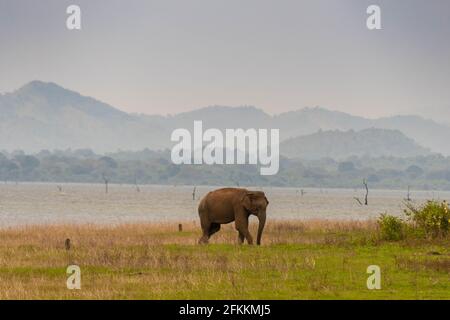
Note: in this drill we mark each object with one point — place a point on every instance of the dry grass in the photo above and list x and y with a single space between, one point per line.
276 232
298 259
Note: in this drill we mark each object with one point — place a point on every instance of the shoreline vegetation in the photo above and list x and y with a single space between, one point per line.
147 167
298 259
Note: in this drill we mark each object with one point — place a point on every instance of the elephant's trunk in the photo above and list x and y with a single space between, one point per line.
262 222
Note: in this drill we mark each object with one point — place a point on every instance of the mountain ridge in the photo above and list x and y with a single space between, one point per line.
44 115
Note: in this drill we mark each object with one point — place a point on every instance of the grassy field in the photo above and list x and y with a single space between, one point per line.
298 260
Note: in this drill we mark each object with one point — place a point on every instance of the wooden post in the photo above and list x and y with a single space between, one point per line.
180 227
67 245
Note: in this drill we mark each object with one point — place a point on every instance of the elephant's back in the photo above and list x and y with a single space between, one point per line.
220 199
224 192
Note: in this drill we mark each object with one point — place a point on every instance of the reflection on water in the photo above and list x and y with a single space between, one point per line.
38 203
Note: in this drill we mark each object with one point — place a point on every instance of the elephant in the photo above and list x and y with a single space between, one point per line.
226 205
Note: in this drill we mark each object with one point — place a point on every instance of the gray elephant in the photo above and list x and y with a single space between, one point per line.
226 205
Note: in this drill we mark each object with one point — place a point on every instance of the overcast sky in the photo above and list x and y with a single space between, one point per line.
169 56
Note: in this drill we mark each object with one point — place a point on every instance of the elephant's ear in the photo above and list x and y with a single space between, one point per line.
247 202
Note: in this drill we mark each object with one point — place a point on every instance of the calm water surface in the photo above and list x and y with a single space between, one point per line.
44 203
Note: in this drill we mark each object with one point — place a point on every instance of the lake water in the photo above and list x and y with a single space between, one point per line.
44 203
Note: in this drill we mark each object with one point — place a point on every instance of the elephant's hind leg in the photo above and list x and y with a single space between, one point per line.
205 237
208 231
214 228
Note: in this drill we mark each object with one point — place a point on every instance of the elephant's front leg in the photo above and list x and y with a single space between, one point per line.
241 238
242 227
249 237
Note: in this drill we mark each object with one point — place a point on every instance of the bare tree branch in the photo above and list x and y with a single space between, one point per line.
359 201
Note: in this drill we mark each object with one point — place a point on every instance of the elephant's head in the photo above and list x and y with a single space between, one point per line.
256 203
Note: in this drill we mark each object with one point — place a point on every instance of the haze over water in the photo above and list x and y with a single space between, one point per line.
43 203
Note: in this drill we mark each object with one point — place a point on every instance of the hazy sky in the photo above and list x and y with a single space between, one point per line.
169 56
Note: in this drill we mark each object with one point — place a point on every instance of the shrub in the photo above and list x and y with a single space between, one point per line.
433 218
391 228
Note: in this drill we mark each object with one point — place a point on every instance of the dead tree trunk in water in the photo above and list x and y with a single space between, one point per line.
105 179
367 192
136 185
408 195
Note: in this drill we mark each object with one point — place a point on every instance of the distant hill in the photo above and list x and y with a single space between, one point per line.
44 115
343 144
426 132
310 120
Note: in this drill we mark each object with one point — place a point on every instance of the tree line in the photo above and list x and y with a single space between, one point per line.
155 167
